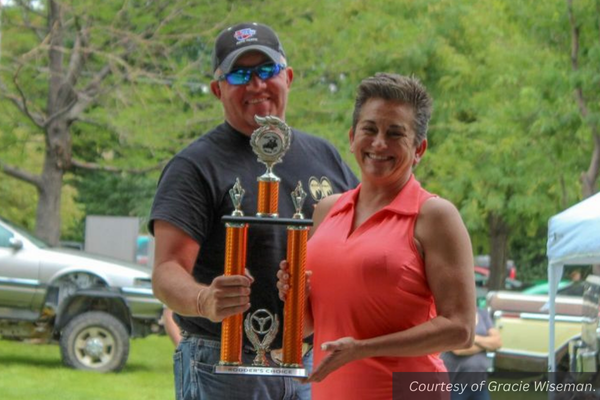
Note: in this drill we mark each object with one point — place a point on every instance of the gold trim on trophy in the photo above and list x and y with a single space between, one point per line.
269 142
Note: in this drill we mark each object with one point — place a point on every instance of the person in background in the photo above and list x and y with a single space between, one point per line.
251 77
171 328
470 365
392 281
575 275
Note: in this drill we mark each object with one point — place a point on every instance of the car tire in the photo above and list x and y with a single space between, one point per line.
95 341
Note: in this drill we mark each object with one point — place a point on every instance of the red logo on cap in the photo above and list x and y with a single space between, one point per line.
244 34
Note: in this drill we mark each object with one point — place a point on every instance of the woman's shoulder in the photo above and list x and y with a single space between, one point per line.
436 217
437 206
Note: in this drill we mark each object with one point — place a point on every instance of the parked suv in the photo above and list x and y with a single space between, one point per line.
88 304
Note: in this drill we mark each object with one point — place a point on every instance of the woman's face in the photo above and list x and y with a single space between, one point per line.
384 141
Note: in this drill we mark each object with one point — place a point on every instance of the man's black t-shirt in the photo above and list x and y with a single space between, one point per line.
193 195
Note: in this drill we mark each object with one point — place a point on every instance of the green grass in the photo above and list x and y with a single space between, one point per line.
33 371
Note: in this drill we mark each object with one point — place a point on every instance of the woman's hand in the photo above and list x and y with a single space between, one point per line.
341 352
283 280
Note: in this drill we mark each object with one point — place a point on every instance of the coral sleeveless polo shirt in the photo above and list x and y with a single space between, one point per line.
369 283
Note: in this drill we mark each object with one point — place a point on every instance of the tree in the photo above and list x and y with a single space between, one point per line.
88 54
496 129
498 71
585 52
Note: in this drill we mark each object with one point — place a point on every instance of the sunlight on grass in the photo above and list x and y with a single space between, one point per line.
33 371
30 371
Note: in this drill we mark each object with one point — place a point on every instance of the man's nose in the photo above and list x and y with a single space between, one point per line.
255 83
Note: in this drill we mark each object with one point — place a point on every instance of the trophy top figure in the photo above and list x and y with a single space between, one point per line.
237 195
270 142
298 197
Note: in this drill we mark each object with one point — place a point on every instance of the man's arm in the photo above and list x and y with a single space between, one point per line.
174 284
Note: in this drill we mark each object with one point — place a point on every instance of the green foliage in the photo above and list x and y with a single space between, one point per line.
104 193
506 135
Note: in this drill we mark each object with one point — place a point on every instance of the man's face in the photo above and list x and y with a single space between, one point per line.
242 102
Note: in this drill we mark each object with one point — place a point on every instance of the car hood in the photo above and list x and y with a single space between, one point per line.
93 262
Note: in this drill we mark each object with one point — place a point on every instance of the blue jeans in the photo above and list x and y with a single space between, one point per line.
194 360
471 395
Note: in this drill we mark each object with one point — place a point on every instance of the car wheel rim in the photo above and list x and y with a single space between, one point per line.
94 347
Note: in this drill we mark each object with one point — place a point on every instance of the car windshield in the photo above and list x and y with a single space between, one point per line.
21 231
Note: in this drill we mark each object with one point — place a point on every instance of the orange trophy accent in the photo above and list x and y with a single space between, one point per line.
268 196
261 327
293 325
235 264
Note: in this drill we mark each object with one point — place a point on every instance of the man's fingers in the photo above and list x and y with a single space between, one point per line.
233 291
236 302
232 280
229 311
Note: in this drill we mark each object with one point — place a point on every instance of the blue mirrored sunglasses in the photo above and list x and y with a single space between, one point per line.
242 75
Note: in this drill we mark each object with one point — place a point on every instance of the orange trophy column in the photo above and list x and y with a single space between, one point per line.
235 264
293 325
268 195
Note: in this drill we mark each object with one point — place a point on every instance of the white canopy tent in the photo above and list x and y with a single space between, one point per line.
573 239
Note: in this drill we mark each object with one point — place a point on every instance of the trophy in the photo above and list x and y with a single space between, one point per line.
269 142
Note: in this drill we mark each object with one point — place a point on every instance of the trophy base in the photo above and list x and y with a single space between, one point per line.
261 371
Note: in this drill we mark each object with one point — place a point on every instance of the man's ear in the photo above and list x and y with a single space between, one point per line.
215 89
351 139
290 75
420 151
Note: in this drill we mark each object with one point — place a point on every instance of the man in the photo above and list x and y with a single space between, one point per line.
251 77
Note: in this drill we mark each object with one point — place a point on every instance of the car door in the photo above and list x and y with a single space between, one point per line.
19 273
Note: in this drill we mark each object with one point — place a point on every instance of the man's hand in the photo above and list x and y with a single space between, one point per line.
226 296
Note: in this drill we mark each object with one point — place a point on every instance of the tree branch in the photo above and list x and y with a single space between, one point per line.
21 175
78 57
66 109
26 10
589 177
66 90
579 97
21 102
87 96
94 86
106 168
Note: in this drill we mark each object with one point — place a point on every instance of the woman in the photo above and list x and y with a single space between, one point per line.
392 271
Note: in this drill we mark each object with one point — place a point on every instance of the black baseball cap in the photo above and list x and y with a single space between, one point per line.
238 39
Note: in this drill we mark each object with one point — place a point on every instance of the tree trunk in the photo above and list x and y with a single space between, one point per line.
58 137
498 251
47 225
588 178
